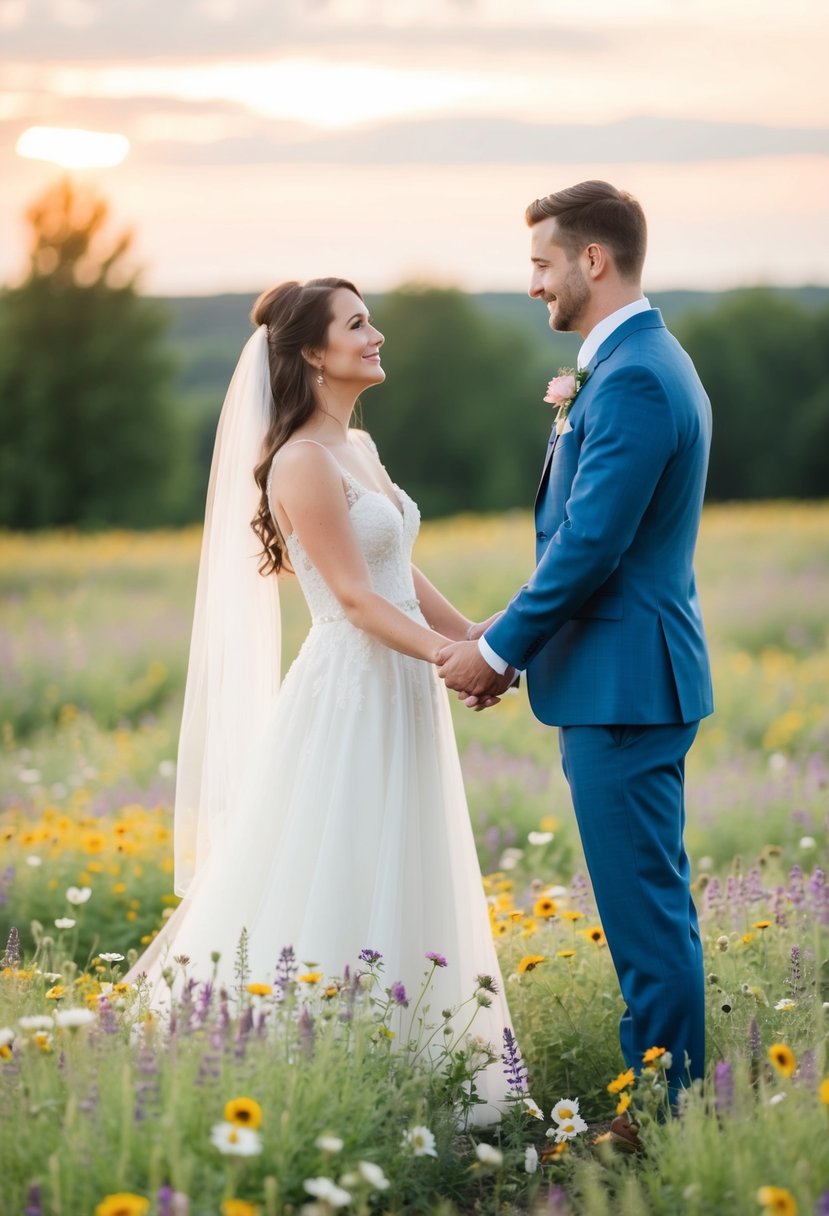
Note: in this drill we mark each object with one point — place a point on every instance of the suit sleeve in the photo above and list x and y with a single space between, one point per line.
629 437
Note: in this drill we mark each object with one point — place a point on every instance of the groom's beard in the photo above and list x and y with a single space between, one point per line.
570 303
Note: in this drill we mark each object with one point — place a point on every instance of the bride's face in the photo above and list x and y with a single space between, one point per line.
353 352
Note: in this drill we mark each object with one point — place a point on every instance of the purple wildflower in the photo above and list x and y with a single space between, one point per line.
514 1069
286 969
557 1201
580 893
753 887
778 907
712 897
305 1026
33 1207
398 994
795 976
369 956
723 1085
438 959
819 893
822 1208
754 1043
797 891
164 1200
11 958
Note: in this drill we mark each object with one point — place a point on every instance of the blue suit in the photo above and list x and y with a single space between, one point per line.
610 633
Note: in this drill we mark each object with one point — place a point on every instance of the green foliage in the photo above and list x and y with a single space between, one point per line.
460 421
87 432
765 363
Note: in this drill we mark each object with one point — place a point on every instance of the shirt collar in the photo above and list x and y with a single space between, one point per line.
606 326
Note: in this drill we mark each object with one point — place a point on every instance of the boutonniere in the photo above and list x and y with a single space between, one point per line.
562 392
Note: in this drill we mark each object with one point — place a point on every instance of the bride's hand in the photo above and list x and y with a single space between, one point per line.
478 629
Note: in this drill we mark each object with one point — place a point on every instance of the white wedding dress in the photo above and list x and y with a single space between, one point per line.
351 828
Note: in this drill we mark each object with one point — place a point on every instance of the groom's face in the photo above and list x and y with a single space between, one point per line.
557 279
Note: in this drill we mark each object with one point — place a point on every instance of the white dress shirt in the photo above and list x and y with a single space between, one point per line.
602 330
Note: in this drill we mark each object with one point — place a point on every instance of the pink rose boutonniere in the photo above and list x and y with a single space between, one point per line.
562 392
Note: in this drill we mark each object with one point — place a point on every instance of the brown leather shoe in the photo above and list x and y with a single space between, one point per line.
624 1135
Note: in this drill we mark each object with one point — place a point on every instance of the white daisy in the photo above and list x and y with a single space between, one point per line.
488 1155
328 1191
78 895
373 1175
329 1143
65 922
72 1019
421 1141
235 1141
565 1110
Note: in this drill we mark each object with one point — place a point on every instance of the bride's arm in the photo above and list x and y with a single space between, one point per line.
310 492
440 614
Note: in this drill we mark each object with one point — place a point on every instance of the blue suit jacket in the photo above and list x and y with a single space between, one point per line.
609 626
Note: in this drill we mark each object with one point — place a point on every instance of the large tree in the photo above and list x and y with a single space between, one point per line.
87 432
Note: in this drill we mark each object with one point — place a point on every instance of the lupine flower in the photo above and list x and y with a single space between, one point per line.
514 1069
754 1039
822 1208
33 1205
421 1141
438 959
724 1085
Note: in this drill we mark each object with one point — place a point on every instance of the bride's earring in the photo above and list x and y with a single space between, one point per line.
320 377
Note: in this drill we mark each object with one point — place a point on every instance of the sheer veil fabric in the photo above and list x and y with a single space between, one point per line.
234 666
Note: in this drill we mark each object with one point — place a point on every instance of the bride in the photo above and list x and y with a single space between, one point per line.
329 814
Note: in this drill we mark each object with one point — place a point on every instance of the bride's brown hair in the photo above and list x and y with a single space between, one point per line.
297 316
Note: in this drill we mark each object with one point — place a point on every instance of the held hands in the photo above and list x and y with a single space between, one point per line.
463 668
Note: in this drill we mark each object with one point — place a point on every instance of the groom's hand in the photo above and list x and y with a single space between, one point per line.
464 669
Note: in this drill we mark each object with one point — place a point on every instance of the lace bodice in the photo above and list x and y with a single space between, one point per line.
386 535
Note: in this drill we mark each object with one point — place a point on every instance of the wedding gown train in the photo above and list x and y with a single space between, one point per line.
351 827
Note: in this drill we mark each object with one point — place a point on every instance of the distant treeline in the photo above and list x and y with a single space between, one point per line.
460 419
109 400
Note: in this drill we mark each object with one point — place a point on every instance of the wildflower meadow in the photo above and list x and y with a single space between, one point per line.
300 1092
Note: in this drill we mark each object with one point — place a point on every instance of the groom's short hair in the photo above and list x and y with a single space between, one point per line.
596 211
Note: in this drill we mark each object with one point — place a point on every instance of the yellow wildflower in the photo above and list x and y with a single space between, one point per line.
621 1082
244 1112
529 963
761 924
544 907
596 935
238 1207
623 1103
529 927
653 1053
778 1200
55 993
122 1204
310 977
571 914
783 1058
259 989
823 1092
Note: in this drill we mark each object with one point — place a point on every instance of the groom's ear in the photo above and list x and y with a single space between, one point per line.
596 260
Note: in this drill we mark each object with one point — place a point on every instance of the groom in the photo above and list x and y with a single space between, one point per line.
608 627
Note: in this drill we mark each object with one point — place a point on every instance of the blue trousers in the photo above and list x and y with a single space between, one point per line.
627 785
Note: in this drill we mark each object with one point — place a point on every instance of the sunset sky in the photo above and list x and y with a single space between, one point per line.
388 140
